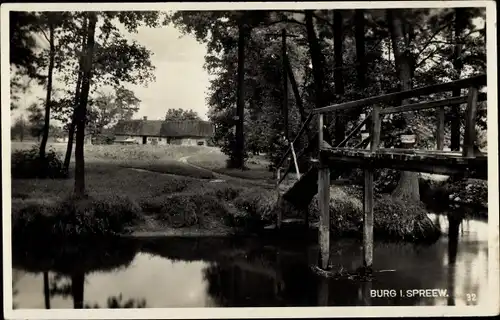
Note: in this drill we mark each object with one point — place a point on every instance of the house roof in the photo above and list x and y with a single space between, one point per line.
160 128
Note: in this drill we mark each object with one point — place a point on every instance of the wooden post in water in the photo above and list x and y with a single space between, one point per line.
368 193
470 124
323 202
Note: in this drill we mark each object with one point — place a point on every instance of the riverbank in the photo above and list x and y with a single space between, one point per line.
146 191
125 201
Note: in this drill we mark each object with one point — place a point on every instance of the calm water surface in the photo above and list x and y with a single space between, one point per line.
251 272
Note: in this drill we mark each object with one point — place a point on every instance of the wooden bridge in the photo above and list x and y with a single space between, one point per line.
316 178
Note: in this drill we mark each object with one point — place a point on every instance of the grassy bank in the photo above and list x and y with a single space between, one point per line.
122 200
256 166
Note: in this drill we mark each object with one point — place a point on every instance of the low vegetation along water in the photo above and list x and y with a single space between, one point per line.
248 272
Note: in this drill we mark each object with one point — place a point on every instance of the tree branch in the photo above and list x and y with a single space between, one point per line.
432 37
43 32
425 59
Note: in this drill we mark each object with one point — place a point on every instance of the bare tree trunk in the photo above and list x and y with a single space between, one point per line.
77 290
458 66
52 53
407 187
82 109
337 73
316 59
239 160
359 31
72 125
46 291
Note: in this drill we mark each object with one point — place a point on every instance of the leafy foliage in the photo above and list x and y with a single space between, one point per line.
181 115
36 120
27 164
428 45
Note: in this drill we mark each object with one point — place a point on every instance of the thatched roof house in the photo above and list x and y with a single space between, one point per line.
164 132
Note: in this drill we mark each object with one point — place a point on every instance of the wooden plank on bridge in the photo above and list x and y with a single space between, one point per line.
435 161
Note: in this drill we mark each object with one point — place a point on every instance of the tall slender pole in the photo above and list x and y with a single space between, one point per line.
323 203
285 83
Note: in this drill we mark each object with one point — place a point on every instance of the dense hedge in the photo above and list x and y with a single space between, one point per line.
27 164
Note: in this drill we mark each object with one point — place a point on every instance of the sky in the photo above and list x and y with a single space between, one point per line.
181 81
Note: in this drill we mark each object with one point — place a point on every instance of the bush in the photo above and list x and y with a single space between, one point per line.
104 214
393 219
100 214
384 180
182 210
27 164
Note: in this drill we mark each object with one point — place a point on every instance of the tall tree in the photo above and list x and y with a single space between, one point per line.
338 74
107 109
400 31
459 25
36 120
19 128
239 160
82 106
52 52
359 27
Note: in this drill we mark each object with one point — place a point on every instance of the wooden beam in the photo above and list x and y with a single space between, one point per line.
323 202
440 128
368 219
375 128
468 167
353 132
324 215
304 126
425 105
478 80
470 123
295 89
285 82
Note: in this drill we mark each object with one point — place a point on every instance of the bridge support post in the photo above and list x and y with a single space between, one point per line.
324 215
323 202
368 219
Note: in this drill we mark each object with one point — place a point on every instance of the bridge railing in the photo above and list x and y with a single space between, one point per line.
375 118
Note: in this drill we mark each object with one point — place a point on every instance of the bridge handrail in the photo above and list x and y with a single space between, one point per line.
472 82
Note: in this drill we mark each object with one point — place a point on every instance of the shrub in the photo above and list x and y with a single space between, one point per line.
260 206
103 214
27 164
384 180
183 210
393 219
99 214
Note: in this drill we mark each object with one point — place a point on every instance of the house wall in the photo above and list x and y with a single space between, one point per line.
187 141
162 141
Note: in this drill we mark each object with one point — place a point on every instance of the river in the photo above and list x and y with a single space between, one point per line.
249 272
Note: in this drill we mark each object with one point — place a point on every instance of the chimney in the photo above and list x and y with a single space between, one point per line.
145 118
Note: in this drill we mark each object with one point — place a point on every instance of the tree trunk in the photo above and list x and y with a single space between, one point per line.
458 66
77 289
337 74
46 291
239 160
72 125
82 109
52 53
407 187
359 26
316 59
285 83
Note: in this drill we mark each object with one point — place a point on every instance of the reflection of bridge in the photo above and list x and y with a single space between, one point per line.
316 178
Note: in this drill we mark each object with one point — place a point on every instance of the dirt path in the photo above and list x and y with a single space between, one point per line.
220 176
